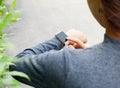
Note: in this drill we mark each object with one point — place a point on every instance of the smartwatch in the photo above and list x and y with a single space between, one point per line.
61 37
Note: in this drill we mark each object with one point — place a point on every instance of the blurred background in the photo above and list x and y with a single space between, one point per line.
40 20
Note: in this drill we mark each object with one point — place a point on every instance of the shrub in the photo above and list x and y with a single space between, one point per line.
7 15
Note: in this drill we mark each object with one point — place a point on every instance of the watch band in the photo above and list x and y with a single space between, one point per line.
61 37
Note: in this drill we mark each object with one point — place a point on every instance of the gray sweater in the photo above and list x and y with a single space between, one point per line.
49 66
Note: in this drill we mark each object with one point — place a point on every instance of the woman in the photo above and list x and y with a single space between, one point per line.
49 66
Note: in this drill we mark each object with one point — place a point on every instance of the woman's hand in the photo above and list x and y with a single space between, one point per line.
76 43
76 39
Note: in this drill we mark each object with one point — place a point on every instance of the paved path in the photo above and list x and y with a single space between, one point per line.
41 19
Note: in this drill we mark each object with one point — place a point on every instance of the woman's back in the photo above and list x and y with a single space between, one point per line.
97 67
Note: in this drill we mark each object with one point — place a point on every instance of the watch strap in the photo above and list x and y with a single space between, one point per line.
61 37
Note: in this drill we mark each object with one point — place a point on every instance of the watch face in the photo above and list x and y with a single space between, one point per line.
61 37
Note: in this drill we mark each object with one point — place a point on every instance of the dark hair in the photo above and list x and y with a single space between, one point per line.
112 12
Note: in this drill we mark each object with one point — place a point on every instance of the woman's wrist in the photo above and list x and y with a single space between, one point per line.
61 36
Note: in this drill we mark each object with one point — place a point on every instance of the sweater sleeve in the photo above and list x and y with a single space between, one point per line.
52 44
44 66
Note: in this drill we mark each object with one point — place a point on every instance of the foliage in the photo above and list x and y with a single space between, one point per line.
7 15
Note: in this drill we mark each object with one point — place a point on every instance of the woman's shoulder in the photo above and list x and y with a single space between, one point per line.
93 53
85 57
94 49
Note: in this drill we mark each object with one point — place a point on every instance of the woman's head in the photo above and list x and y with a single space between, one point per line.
112 12
107 12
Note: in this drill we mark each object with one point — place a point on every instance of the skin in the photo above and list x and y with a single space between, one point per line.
76 39
94 6
97 9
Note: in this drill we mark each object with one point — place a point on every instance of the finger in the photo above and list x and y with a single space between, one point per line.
85 40
70 42
70 46
87 45
75 45
80 43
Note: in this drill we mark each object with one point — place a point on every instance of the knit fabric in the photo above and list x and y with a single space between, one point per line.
50 66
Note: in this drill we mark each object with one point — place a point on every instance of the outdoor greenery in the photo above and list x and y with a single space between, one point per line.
8 14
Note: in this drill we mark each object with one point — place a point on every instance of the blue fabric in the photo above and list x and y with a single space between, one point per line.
51 66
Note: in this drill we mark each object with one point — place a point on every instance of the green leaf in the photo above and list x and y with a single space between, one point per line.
10 63
15 16
11 82
7 15
4 22
2 49
21 74
13 4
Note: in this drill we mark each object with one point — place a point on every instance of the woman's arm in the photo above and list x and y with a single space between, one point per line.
45 64
52 44
75 39
45 70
